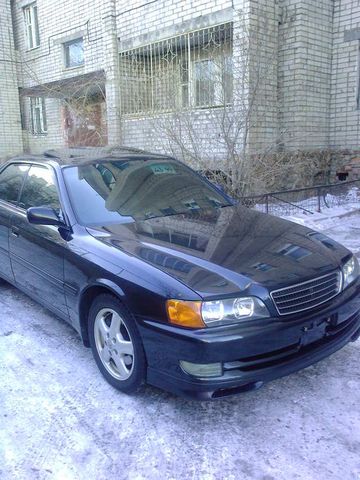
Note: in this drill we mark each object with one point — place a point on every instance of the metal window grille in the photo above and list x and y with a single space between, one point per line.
193 70
38 115
31 25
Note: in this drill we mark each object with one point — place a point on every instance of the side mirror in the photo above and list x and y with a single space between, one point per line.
43 216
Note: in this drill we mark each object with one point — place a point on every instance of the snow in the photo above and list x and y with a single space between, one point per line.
60 420
341 223
330 205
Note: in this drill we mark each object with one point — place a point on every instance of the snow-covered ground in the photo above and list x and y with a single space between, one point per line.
341 223
347 199
60 420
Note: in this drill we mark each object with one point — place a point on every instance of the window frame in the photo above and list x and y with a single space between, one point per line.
31 25
219 95
54 178
68 220
214 93
5 167
38 127
66 53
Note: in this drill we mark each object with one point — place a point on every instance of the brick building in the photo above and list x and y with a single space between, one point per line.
109 71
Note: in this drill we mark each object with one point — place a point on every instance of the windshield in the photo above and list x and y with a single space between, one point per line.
127 190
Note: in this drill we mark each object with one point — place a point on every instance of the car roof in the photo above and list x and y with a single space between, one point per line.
87 155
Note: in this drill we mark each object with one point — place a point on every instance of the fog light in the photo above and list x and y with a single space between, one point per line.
202 369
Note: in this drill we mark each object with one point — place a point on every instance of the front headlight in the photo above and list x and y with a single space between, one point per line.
350 271
217 312
232 310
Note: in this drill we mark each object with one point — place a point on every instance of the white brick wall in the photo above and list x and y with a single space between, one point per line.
10 123
305 53
150 133
309 100
61 21
164 13
164 19
264 35
54 136
159 21
345 117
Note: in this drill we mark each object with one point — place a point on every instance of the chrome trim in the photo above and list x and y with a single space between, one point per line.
303 289
283 290
304 296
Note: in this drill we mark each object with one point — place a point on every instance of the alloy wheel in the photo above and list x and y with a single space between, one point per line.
114 344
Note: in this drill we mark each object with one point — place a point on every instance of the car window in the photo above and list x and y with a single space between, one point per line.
11 180
39 189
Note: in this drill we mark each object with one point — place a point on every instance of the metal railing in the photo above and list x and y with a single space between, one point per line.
308 200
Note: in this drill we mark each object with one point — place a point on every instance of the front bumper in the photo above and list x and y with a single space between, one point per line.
252 354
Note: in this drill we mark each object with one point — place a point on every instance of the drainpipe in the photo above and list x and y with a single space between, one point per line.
111 58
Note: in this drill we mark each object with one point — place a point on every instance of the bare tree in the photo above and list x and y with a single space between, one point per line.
212 100
246 102
209 96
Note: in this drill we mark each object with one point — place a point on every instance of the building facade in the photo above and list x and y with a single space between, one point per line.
174 75
10 123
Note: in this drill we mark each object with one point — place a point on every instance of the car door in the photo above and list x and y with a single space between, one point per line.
11 181
37 251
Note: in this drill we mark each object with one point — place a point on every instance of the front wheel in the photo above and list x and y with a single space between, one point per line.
116 344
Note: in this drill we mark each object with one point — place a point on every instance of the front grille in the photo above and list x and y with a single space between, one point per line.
306 295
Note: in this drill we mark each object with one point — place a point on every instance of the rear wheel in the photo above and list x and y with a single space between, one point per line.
116 344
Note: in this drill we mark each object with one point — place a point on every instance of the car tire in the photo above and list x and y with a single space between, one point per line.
116 344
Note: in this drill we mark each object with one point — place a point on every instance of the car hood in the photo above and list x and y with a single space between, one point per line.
226 251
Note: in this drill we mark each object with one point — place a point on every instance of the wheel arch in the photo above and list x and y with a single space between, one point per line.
88 295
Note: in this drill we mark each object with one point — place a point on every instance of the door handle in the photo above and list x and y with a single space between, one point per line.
14 232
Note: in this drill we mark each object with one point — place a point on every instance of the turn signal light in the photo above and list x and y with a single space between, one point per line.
185 313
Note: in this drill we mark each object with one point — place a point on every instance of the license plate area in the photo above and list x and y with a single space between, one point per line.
317 330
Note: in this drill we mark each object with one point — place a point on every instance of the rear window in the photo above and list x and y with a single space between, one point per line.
11 180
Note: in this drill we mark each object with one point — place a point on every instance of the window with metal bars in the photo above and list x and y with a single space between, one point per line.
193 70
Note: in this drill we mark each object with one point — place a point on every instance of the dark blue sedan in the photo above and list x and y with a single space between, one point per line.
165 278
